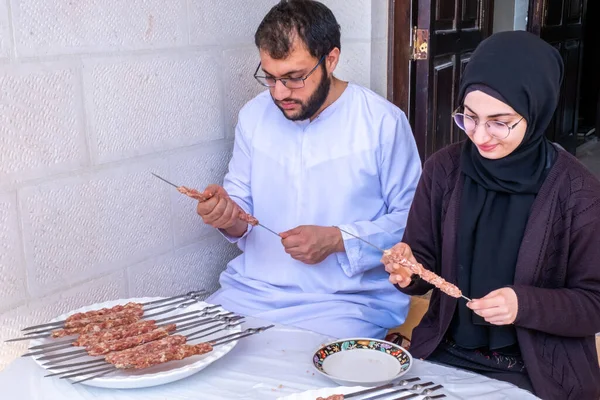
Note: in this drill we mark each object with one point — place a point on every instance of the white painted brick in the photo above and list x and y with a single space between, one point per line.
77 228
196 168
41 129
67 26
240 85
379 67
143 105
4 31
213 22
12 271
355 63
194 267
111 287
354 17
379 19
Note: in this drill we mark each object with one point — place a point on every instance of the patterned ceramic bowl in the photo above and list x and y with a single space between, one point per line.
362 362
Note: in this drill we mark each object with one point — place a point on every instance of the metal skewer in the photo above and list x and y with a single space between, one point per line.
382 250
164 180
59 323
361 239
426 392
105 368
177 187
400 383
71 365
417 386
269 229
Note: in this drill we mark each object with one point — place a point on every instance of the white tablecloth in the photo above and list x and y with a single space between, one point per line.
272 364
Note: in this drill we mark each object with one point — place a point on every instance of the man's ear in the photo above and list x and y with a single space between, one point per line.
331 60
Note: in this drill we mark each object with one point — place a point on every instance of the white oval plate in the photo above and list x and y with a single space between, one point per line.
158 374
362 361
314 394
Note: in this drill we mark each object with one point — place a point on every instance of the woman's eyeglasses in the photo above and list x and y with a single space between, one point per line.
498 129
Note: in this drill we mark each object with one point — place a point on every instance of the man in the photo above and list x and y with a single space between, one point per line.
312 153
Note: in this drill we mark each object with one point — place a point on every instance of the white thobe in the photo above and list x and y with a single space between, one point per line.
355 166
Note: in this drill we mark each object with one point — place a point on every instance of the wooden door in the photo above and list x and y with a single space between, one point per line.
560 23
424 82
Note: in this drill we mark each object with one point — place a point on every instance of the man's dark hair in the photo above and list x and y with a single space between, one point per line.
308 20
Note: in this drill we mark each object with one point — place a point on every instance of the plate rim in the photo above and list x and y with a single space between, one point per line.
128 381
333 377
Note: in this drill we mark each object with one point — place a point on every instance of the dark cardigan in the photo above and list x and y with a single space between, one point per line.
557 277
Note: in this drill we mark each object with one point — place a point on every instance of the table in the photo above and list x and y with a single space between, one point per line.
267 366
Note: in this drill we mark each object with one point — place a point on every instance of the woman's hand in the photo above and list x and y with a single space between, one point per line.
499 307
399 275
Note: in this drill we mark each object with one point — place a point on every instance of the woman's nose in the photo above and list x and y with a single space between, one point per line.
481 135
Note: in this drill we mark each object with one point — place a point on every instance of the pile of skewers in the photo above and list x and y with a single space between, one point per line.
401 387
169 348
124 336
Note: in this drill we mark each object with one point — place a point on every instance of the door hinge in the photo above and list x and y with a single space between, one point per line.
420 44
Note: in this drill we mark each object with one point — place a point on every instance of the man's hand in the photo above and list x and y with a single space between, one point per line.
311 244
399 274
499 307
220 212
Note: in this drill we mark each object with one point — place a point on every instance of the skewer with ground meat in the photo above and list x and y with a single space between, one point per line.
138 312
137 328
101 348
96 327
145 359
244 216
390 257
129 356
332 397
194 194
102 311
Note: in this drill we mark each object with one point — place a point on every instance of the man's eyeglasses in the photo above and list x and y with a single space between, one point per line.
498 129
290 83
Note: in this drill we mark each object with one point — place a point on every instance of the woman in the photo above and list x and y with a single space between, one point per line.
514 221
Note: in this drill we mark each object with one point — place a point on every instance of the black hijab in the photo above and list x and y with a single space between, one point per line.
524 72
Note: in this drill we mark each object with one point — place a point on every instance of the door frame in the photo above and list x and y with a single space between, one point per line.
399 53
535 21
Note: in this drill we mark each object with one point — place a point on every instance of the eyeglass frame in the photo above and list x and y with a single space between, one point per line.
284 80
510 127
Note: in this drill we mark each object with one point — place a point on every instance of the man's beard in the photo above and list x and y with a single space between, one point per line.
312 105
